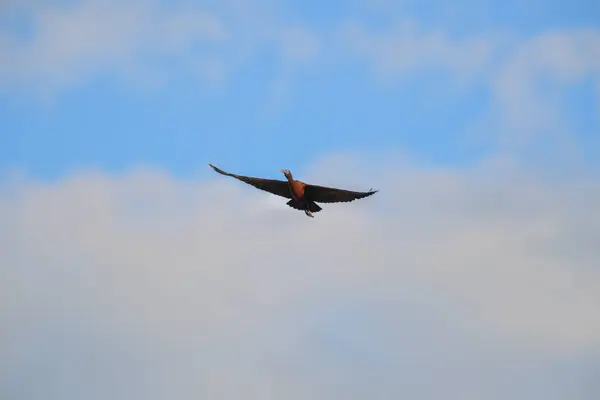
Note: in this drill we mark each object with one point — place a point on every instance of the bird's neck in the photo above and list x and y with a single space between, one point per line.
290 178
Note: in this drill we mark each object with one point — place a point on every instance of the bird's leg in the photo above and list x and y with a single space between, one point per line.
307 212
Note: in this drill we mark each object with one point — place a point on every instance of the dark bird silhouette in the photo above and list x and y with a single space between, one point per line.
302 196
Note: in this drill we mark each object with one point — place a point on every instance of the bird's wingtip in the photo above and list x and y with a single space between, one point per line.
219 170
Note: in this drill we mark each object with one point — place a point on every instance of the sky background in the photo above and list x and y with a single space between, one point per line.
129 269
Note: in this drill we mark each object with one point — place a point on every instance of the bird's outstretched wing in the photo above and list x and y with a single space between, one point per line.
323 194
279 188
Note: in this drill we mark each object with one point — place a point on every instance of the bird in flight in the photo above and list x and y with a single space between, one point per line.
302 196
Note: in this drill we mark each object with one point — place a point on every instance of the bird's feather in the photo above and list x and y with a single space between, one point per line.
298 205
276 187
323 194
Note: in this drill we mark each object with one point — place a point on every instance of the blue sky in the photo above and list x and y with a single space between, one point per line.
134 270
271 110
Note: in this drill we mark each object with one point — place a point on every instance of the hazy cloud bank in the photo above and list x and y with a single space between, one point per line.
472 283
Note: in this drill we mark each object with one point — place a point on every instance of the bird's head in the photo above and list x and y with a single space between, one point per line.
286 172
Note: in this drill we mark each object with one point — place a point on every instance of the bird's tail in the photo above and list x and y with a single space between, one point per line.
312 206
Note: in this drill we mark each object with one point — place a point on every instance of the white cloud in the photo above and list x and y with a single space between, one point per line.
405 49
205 289
299 44
527 76
529 85
75 42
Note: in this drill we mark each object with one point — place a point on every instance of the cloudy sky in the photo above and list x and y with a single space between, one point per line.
130 270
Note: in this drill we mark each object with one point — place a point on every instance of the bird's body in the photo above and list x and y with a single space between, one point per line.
297 189
302 196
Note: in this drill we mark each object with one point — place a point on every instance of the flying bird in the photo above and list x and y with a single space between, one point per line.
303 196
